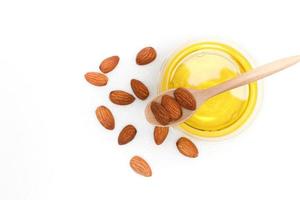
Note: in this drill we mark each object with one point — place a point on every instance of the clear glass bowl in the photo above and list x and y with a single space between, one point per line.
203 65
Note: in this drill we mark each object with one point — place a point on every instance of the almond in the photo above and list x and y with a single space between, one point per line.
109 64
127 134
105 117
187 147
185 98
172 106
96 78
139 89
160 134
140 166
160 113
145 56
121 97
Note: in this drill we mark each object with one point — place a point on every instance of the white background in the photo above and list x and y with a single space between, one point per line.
51 144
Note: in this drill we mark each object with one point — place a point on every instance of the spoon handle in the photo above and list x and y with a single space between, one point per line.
253 75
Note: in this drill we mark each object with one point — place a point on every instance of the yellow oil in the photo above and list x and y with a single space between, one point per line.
202 69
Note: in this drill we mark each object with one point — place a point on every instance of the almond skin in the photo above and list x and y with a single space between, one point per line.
160 134
172 106
120 97
96 78
105 117
139 89
146 56
160 113
127 134
108 64
185 98
140 166
187 147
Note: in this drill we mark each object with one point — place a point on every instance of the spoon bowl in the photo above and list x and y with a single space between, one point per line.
200 96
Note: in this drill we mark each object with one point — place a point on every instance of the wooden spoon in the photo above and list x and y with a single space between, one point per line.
203 95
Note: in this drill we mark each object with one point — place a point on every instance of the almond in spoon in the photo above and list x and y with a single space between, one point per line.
120 97
160 113
127 134
140 166
185 98
172 106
